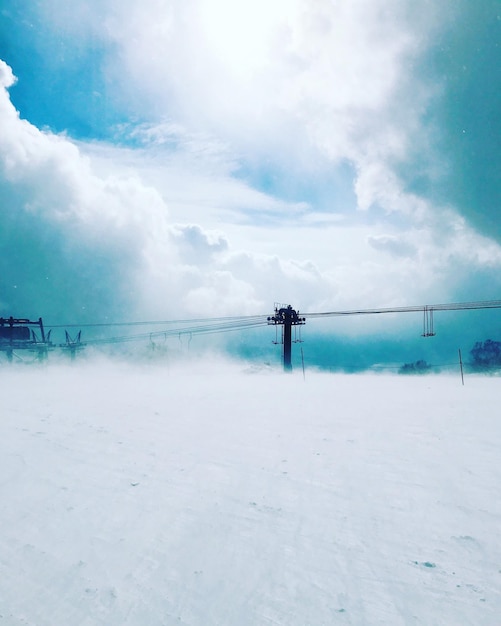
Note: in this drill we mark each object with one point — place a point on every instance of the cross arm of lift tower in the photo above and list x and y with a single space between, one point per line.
286 317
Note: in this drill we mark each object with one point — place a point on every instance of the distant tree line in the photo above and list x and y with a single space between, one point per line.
418 367
485 355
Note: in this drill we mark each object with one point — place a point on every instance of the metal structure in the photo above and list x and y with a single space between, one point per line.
19 334
286 317
428 329
72 345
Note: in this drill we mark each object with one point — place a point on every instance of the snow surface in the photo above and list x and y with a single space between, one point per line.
217 496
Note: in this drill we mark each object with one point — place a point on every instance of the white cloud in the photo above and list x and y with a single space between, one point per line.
268 76
111 227
396 246
7 78
331 78
317 82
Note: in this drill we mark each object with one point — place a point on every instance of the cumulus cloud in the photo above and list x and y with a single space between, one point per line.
324 80
82 244
73 242
395 246
298 82
7 78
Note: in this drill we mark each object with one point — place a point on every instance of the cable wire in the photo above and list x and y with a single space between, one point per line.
458 306
214 325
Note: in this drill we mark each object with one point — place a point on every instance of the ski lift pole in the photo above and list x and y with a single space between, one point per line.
287 317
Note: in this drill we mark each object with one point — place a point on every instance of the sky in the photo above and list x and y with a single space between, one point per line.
164 160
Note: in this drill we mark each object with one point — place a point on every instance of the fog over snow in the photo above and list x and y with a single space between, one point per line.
220 494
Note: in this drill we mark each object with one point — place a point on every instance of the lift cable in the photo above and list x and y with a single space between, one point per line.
162 322
458 306
232 323
484 304
190 330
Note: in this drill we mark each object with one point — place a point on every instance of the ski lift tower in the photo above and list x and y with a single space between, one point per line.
17 334
286 317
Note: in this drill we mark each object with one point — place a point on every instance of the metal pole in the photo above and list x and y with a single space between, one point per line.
288 343
40 323
287 317
461 367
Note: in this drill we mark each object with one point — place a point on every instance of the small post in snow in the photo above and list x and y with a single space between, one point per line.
461 367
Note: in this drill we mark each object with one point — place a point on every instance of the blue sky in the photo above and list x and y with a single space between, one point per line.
163 160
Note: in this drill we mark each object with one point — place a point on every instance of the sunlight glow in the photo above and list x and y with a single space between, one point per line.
241 34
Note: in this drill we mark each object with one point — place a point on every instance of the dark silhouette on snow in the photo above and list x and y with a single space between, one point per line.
486 355
419 367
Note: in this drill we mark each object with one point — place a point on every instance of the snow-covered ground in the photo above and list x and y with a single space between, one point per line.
215 496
